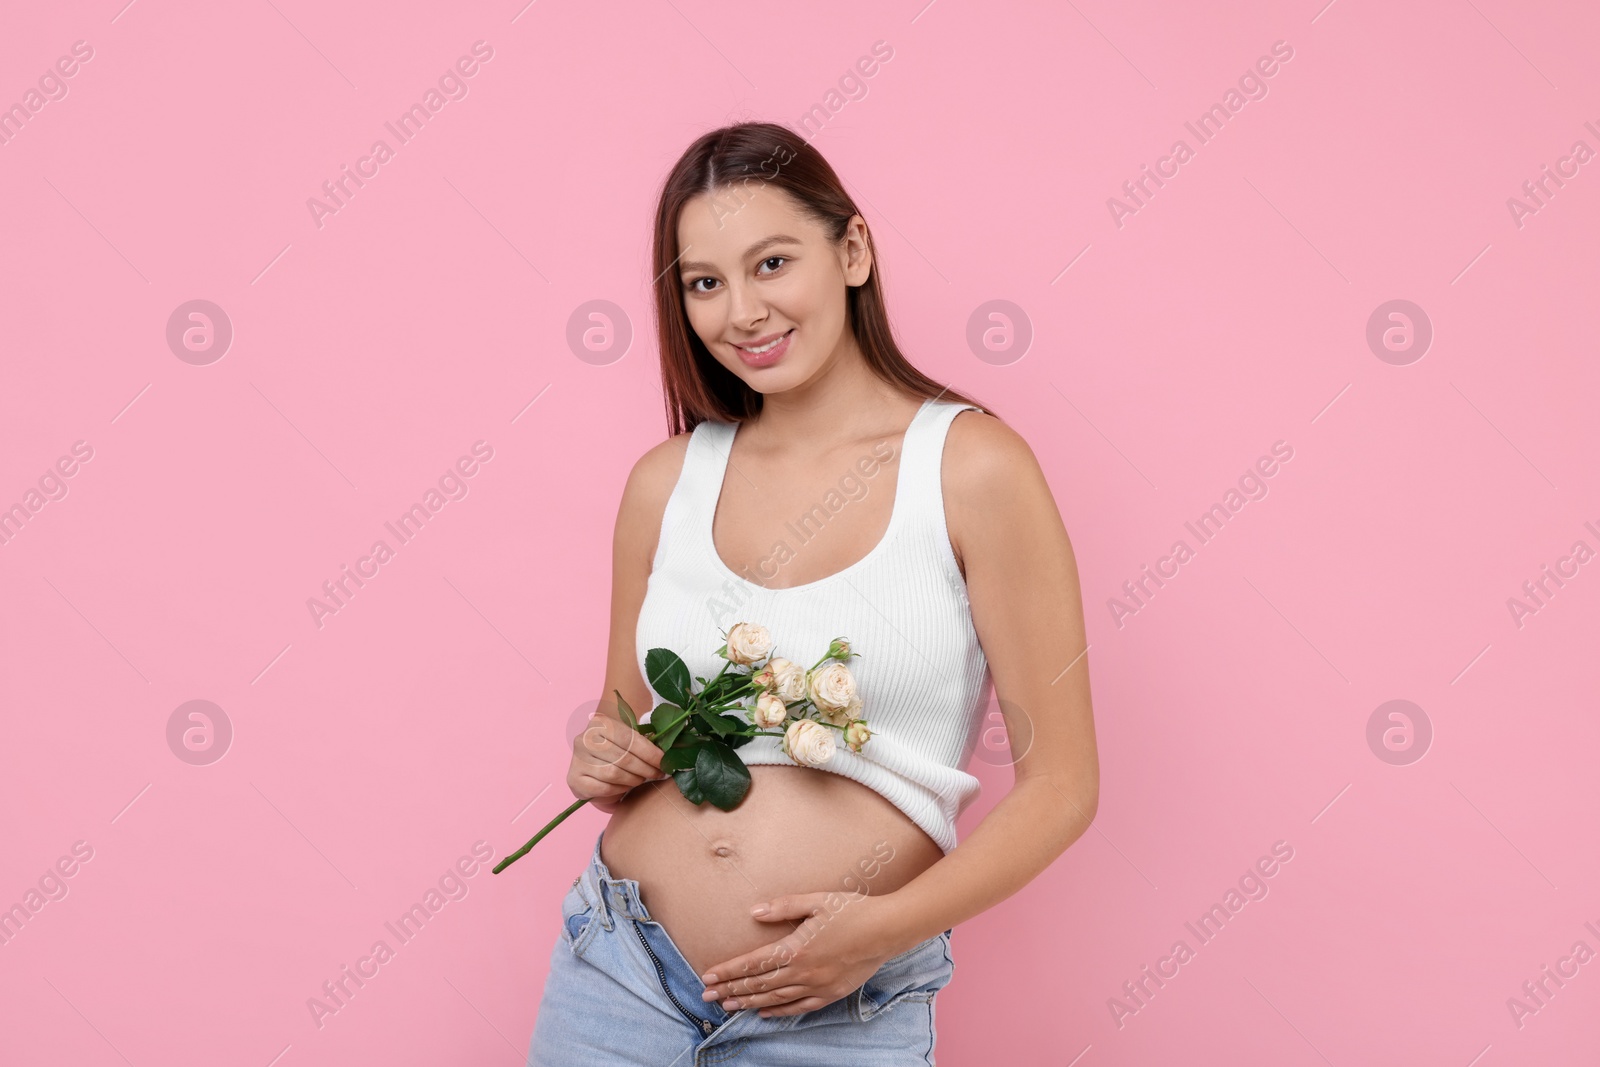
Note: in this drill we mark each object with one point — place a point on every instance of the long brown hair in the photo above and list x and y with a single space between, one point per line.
743 158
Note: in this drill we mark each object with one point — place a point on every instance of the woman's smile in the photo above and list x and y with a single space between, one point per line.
767 352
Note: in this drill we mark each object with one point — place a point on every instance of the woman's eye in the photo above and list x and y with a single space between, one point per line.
694 286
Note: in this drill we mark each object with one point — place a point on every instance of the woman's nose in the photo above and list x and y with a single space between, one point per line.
744 309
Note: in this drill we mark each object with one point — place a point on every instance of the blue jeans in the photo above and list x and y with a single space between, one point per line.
620 992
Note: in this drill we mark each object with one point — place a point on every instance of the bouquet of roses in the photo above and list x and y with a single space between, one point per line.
755 694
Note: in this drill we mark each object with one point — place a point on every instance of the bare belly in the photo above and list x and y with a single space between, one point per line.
798 830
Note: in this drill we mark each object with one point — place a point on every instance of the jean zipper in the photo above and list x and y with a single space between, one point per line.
705 1025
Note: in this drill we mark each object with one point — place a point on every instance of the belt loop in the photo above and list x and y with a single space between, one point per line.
601 906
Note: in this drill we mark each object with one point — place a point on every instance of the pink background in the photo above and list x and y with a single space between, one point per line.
368 354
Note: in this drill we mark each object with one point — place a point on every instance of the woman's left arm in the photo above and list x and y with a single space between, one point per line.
1022 582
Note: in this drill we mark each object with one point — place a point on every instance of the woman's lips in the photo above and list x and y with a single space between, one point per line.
769 357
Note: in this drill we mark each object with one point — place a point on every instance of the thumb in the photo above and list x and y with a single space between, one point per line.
788 906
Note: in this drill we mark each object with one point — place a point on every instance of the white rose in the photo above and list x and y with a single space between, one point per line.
856 735
809 743
748 643
832 687
842 716
769 711
788 679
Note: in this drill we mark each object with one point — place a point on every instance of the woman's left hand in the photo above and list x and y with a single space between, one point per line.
842 942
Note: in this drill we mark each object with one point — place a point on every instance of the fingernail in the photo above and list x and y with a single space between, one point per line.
759 909
709 977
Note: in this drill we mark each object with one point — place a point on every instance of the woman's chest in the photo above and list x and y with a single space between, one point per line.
782 536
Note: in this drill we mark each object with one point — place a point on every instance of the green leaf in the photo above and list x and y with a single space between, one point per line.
681 755
723 725
668 675
666 715
665 739
721 775
688 786
626 712
668 720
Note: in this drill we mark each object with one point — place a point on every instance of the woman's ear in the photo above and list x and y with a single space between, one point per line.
857 252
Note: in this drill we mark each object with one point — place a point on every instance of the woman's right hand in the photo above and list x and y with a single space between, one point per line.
609 758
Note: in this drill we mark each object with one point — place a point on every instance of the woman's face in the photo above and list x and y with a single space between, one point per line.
756 269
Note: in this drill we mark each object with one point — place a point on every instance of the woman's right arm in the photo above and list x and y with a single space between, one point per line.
610 758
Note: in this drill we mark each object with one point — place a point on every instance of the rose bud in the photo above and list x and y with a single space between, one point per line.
769 711
857 734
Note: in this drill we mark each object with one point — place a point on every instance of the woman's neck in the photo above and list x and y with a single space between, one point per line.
845 402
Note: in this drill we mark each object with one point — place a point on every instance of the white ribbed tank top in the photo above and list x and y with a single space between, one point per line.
922 676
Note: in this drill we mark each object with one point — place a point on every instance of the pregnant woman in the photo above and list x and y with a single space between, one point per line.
820 486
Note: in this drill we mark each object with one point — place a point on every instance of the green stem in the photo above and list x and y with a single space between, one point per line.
551 825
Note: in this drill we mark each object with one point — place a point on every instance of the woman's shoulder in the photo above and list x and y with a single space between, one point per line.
981 451
989 473
645 495
655 473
